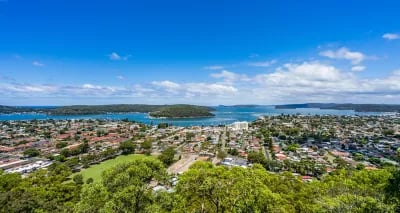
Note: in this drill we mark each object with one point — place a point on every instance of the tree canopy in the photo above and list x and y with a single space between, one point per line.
128 187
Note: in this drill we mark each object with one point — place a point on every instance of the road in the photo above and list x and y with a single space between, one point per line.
183 164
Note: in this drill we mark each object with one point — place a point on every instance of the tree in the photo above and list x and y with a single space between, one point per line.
233 152
40 191
147 145
61 144
78 179
392 190
127 147
124 188
221 154
167 156
293 147
162 125
31 152
84 147
93 198
89 181
358 157
189 136
206 188
256 157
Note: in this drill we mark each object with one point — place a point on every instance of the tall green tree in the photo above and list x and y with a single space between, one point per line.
127 147
167 156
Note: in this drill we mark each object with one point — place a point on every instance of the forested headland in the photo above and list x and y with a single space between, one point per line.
170 111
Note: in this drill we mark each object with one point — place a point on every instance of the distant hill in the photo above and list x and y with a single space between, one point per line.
22 109
101 109
179 110
355 107
183 111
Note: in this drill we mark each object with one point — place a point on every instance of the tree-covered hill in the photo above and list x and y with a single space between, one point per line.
183 111
355 107
179 110
128 187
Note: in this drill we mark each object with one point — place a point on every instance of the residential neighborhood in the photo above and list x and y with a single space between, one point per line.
306 145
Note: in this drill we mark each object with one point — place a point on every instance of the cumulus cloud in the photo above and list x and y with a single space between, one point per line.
263 63
344 53
195 89
168 86
314 81
37 64
310 81
358 68
391 36
210 89
229 77
114 56
214 67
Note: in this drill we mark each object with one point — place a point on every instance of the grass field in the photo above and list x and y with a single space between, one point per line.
95 171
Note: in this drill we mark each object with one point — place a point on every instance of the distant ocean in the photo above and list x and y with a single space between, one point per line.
223 115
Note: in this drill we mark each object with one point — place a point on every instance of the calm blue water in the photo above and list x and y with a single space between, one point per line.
224 115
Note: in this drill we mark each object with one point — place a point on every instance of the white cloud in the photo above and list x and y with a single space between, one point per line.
214 67
229 77
116 57
310 81
120 77
16 88
166 84
37 64
314 81
391 36
358 68
194 89
210 89
344 53
263 63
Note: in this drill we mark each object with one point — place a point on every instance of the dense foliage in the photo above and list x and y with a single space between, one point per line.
179 110
128 187
183 111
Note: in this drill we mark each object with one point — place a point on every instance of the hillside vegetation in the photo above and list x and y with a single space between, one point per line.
183 111
177 111
127 187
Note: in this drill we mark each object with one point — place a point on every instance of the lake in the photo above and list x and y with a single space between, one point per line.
223 115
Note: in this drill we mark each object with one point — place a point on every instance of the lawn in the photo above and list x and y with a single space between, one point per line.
95 171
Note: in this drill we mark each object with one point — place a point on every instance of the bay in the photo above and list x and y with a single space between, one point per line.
223 115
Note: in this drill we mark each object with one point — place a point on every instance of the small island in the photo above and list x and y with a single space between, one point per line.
183 111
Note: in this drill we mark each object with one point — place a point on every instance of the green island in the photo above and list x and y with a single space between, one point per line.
182 111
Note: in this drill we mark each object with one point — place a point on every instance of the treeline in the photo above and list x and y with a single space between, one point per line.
179 110
183 111
22 109
204 188
355 107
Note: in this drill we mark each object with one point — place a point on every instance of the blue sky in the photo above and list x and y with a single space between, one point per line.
199 52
